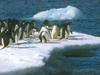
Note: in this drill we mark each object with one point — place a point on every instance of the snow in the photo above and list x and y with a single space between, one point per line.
70 12
28 53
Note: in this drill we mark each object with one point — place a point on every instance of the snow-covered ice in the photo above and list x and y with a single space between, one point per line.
18 59
68 13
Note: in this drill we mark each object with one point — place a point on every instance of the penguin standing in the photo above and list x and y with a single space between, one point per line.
44 34
4 35
5 39
55 32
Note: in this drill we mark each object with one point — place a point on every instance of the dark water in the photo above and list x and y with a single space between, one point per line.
85 62
89 26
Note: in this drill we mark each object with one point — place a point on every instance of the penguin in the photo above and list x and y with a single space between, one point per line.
55 32
44 35
5 37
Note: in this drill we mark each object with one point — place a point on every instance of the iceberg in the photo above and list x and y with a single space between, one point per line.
29 56
68 13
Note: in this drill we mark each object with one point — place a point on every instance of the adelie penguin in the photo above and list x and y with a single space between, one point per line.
4 35
42 37
44 34
5 39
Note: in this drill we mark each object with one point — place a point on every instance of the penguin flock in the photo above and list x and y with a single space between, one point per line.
12 30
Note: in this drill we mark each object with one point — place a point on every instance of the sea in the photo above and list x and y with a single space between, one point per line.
77 62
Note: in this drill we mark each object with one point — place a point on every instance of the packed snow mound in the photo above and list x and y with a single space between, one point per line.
67 13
